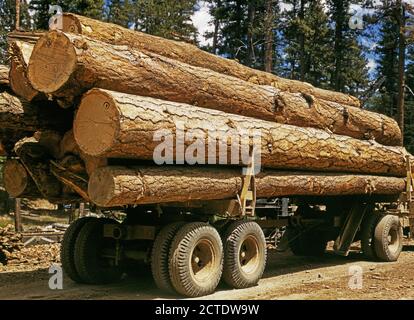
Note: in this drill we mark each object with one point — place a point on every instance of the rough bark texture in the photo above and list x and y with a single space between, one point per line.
17 114
119 186
17 181
127 126
81 63
190 54
4 75
20 53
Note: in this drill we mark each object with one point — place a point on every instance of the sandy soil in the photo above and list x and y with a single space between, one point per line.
286 277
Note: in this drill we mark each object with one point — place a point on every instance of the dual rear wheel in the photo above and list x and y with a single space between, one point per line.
191 259
83 252
382 237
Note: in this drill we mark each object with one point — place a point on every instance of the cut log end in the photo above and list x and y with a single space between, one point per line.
52 63
97 114
16 178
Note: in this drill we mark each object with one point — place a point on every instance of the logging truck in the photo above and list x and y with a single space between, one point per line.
90 101
191 246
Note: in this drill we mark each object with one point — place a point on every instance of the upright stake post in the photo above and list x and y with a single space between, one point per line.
17 15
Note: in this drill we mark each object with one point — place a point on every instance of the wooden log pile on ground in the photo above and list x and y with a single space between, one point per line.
10 244
94 99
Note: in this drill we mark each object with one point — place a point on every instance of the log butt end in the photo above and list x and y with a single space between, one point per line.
96 125
16 178
52 62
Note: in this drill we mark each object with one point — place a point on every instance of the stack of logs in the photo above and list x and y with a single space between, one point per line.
82 108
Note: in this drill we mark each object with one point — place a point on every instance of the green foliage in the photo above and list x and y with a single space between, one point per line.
167 18
118 12
8 21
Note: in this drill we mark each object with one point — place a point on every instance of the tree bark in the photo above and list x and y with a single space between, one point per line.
401 66
127 127
85 63
191 55
36 161
4 75
120 186
18 182
19 83
17 114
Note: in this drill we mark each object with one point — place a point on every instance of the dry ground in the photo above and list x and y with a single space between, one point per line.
286 277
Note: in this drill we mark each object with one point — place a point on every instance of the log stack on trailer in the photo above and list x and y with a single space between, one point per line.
81 114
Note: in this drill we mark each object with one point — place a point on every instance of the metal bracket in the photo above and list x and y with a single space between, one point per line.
248 196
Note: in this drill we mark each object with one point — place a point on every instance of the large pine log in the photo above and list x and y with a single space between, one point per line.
20 53
119 186
17 114
80 63
18 182
115 125
192 55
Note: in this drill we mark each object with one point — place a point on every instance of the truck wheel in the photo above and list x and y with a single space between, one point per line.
67 248
306 243
367 235
196 260
91 267
160 256
388 238
244 254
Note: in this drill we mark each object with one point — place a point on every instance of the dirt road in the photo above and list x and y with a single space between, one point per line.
286 277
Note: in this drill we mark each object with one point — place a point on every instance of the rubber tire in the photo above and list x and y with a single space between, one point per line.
233 275
309 244
384 226
67 249
368 234
160 256
87 248
181 251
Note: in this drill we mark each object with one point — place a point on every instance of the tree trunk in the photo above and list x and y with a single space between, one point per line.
20 56
338 46
269 35
301 36
120 186
18 182
115 125
191 55
401 67
36 161
4 75
216 28
17 114
109 67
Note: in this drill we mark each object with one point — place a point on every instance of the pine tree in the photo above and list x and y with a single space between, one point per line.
8 22
118 12
308 43
168 18
89 8
41 12
349 72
